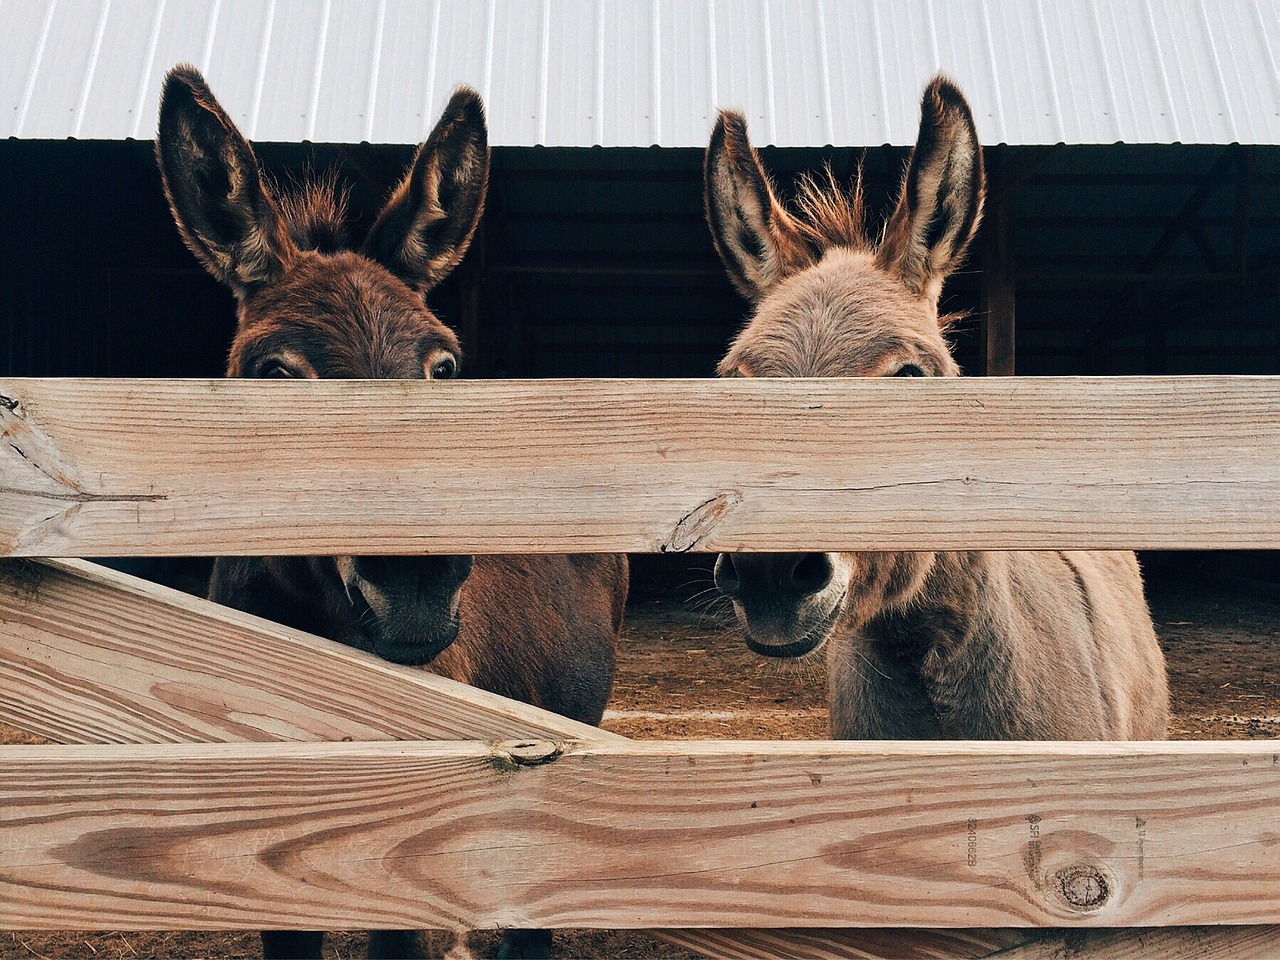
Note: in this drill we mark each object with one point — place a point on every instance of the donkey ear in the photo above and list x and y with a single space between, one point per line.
211 177
427 225
753 233
941 201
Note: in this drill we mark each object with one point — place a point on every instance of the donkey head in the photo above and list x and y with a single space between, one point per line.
310 306
830 302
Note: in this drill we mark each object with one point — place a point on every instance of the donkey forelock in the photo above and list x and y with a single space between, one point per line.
830 216
314 212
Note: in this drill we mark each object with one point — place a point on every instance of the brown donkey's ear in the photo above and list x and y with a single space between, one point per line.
211 177
427 225
941 201
753 233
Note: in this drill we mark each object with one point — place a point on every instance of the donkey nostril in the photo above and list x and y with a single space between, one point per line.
726 575
811 573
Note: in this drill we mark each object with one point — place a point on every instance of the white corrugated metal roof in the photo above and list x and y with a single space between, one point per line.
642 72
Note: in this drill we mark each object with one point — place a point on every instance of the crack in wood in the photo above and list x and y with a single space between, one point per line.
34 445
40 450
83 496
54 483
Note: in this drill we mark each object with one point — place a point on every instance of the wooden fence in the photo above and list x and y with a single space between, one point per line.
221 771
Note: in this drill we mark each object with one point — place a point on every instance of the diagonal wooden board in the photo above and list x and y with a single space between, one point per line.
90 655
56 617
166 467
1166 943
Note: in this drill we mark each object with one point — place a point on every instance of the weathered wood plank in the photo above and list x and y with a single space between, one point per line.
851 944
213 467
89 655
640 834
1173 943
1142 943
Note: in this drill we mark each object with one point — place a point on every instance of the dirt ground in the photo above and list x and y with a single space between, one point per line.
684 673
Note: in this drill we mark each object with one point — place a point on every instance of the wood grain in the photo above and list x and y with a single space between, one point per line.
1175 943
852 944
640 834
150 467
89 655
1260 942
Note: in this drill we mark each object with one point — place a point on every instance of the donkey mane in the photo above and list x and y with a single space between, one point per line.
314 212
828 215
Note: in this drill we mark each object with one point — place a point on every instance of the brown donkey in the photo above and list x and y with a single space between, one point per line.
539 629
981 645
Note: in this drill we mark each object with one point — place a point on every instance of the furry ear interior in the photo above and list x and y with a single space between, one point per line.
225 213
753 233
426 226
940 205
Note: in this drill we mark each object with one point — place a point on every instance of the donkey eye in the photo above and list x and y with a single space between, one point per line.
275 370
910 370
444 369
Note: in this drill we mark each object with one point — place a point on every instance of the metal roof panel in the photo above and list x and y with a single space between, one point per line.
640 72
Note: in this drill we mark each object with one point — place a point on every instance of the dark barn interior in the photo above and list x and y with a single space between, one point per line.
593 262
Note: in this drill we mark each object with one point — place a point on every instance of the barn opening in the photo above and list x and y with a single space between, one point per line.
1131 227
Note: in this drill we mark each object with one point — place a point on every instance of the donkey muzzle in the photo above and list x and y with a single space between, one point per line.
411 603
786 602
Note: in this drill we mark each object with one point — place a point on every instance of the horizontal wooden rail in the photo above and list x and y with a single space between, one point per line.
136 467
542 833
564 834
90 655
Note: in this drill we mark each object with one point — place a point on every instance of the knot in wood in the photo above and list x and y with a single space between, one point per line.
1083 887
529 753
700 522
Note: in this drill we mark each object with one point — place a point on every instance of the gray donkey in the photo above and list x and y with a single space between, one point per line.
977 645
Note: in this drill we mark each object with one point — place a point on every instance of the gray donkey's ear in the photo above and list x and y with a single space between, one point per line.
225 213
940 205
425 228
753 233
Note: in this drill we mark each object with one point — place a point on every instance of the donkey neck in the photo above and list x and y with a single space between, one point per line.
944 664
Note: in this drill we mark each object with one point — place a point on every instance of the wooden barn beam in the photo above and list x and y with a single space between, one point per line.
682 834
1244 214
249 467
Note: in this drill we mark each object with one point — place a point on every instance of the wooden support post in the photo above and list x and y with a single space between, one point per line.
998 294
